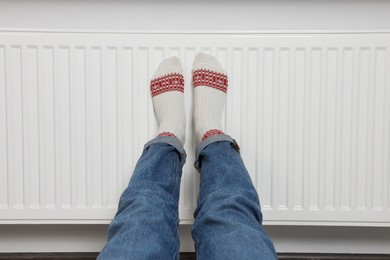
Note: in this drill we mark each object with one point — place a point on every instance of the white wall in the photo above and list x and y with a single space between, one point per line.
202 15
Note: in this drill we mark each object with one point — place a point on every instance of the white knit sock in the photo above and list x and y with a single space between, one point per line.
210 85
167 87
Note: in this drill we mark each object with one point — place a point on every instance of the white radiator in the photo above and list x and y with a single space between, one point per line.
311 113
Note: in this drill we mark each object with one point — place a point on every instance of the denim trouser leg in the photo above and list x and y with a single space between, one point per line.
145 226
228 220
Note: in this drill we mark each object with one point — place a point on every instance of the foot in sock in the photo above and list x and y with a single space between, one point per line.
167 87
210 86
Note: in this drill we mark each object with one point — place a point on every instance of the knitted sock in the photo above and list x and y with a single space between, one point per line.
210 85
167 87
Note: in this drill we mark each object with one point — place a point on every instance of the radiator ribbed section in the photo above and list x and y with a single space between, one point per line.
310 112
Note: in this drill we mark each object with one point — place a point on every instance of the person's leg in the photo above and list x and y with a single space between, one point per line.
145 226
228 220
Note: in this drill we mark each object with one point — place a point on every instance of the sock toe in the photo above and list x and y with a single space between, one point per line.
205 61
169 65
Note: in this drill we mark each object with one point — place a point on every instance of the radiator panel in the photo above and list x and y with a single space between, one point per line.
310 111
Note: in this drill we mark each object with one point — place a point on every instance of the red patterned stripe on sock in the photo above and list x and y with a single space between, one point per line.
211 133
168 82
204 77
166 134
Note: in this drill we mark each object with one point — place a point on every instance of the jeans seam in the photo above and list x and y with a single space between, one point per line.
173 186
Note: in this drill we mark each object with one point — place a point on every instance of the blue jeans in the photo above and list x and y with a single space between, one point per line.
228 220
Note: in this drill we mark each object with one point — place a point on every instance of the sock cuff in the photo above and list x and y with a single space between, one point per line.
165 83
212 132
166 134
209 78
